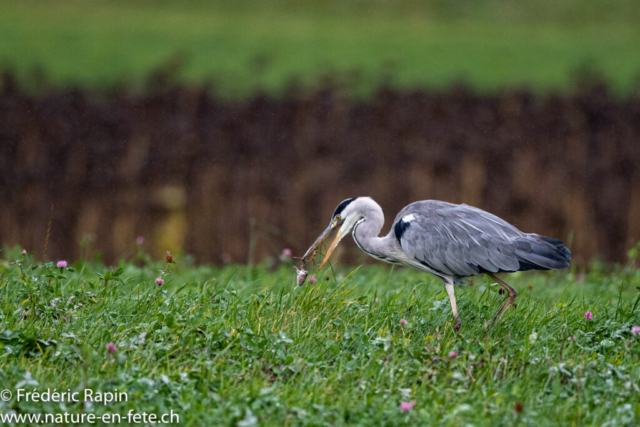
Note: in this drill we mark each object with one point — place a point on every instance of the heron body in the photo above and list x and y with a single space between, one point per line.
446 240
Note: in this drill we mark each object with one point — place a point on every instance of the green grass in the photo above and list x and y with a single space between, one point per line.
235 346
246 45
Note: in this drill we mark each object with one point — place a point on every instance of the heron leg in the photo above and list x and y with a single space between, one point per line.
448 284
511 298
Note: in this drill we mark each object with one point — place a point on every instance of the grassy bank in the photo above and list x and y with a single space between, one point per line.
235 346
248 45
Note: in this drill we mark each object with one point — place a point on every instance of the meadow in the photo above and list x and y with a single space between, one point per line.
243 346
245 46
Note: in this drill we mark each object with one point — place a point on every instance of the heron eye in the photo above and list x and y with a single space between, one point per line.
338 217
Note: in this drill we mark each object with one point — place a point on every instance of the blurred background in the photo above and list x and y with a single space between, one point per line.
231 129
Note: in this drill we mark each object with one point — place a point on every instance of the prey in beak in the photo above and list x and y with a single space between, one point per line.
343 219
334 224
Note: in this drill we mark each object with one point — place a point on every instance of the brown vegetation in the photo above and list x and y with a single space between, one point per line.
183 168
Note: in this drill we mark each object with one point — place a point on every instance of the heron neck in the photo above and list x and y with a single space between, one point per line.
366 232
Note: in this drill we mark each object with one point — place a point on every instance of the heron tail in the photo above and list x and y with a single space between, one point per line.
537 252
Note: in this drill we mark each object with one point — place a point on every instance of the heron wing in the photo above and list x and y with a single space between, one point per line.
458 240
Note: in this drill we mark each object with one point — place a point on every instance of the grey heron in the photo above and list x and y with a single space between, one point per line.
446 240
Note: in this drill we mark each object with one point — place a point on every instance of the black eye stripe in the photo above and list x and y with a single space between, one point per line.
342 206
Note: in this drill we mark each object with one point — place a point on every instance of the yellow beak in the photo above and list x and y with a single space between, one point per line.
319 240
334 244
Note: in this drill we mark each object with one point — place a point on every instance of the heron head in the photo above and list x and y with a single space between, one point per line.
344 218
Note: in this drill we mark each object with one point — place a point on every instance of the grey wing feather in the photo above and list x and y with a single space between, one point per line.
460 240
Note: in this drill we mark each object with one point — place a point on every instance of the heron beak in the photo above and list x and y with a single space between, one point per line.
334 244
319 240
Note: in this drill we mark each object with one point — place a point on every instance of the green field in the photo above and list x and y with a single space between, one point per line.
240 347
246 45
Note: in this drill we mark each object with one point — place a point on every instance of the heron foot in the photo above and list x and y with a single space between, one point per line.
457 325
511 298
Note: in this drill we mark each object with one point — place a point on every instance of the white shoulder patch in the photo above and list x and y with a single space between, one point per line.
408 218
